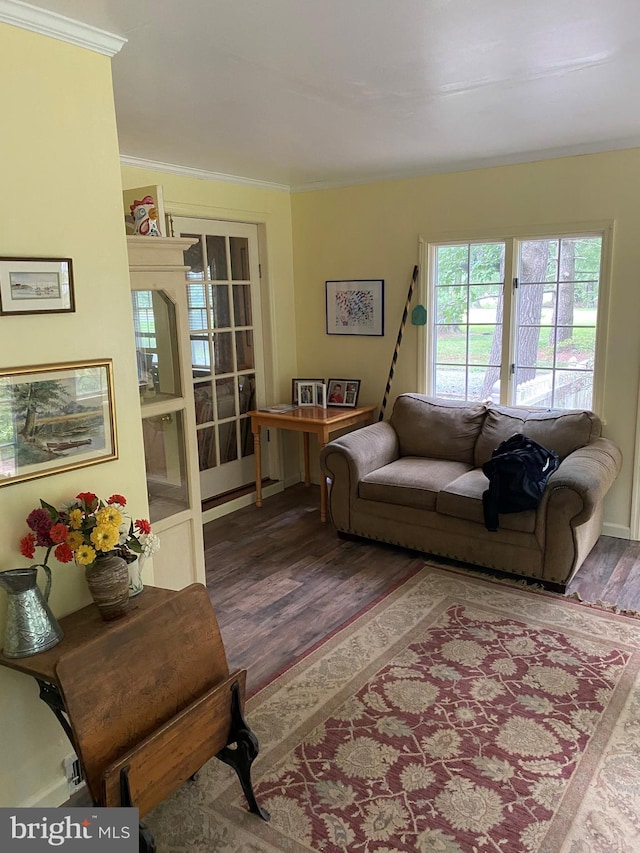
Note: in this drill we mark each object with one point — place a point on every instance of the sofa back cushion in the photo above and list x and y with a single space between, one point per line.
556 429
436 428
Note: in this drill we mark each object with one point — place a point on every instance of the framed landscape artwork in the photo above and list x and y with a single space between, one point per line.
355 307
55 418
36 286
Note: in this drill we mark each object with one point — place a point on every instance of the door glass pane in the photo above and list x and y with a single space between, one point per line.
203 396
200 356
216 258
197 307
206 448
223 350
220 313
154 323
225 398
163 438
242 304
244 350
228 442
239 250
193 259
247 392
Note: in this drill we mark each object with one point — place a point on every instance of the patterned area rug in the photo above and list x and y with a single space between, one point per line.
457 715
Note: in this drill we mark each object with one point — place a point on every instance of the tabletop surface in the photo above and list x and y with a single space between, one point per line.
314 414
80 627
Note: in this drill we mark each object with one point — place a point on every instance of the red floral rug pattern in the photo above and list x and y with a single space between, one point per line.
457 716
465 740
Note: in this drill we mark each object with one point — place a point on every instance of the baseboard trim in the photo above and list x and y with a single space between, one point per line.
619 531
239 503
52 796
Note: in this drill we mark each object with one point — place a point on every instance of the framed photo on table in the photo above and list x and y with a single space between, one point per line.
36 286
343 392
355 307
55 418
294 388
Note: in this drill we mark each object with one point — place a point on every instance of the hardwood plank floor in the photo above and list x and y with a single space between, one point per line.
280 581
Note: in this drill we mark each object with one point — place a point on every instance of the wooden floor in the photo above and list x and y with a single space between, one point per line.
280 580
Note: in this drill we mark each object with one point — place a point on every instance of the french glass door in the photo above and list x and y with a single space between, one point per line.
225 327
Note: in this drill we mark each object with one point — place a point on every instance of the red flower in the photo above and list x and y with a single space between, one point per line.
28 545
143 525
117 499
63 553
88 498
59 533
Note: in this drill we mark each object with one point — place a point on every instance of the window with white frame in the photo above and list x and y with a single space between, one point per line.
516 320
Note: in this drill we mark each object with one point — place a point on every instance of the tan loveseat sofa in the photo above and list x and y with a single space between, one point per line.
417 481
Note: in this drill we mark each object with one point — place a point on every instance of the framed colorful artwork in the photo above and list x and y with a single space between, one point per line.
355 307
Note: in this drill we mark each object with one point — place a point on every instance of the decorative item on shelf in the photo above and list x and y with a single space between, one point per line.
98 536
31 626
145 217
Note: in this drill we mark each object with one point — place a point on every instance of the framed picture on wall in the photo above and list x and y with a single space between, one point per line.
36 286
54 418
355 307
343 392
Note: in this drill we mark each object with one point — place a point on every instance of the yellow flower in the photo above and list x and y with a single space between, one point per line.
105 537
85 555
75 540
75 518
109 515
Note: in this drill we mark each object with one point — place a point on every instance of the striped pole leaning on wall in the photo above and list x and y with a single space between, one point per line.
403 323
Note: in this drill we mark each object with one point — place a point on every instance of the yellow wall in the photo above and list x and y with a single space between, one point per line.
372 231
61 197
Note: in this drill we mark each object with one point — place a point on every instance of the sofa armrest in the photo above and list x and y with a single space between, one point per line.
589 472
570 514
348 458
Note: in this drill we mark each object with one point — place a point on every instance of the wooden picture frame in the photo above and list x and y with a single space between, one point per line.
36 286
343 392
71 426
355 307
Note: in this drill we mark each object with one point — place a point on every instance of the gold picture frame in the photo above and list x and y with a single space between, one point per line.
54 418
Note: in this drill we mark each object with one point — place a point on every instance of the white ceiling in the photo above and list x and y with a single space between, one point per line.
319 92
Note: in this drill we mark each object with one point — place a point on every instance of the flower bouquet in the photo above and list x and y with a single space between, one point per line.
87 528
93 532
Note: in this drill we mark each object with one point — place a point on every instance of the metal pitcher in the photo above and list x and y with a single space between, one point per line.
31 626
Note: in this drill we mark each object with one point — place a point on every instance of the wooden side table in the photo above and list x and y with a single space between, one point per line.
307 420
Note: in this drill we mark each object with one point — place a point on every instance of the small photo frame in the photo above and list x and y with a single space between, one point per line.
306 392
343 392
55 418
36 286
355 307
321 394
294 388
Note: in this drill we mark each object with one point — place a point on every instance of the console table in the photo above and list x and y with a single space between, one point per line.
307 420
147 699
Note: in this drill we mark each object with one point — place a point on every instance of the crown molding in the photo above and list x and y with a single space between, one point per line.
46 23
201 174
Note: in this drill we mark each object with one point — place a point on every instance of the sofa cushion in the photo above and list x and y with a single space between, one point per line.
410 481
560 430
463 499
437 429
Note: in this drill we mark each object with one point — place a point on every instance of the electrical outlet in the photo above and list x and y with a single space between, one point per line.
73 772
